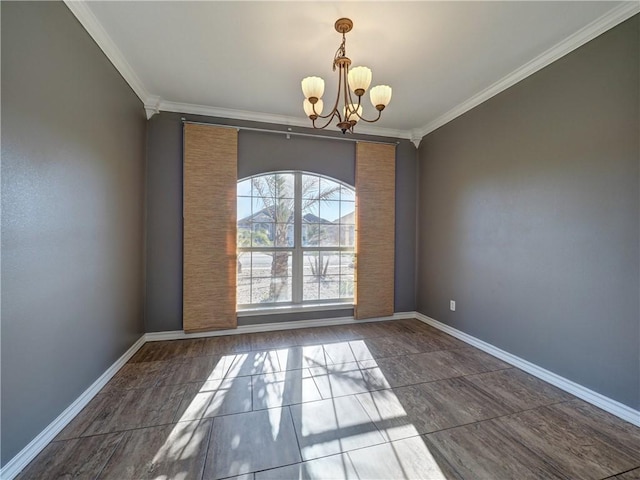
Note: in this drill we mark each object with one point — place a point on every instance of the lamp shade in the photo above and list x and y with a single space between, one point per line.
380 95
359 78
349 112
308 107
312 87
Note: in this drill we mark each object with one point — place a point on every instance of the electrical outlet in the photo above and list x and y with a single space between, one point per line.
452 305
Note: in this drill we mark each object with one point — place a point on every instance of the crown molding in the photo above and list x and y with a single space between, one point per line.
94 28
193 109
154 104
606 22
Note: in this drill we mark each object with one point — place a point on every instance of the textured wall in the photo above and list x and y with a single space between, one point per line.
528 217
257 152
73 137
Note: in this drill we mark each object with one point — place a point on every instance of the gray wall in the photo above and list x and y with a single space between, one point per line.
72 216
257 152
528 217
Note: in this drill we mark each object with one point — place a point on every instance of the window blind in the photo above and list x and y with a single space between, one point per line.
375 226
209 258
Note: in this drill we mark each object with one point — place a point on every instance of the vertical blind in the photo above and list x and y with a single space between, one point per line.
209 259
375 224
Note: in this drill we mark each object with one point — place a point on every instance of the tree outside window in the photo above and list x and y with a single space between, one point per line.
295 239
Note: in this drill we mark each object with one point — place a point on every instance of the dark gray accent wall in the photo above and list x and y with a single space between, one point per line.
529 218
260 152
73 157
257 152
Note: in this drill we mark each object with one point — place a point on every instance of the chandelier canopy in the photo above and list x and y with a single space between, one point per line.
356 80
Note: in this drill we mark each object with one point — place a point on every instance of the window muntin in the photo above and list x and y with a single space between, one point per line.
296 239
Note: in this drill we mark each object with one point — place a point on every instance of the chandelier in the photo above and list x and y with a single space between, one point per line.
357 79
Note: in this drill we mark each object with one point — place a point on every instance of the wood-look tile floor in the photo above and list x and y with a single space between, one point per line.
380 400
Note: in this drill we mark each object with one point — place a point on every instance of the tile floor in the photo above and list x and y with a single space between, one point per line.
380 400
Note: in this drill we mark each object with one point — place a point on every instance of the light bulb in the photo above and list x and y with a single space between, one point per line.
359 80
313 87
380 96
309 107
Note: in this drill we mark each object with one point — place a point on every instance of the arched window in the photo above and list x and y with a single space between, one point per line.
296 237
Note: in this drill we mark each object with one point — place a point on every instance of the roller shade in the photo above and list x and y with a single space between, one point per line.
209 258
375 224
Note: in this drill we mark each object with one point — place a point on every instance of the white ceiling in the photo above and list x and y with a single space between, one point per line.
246 59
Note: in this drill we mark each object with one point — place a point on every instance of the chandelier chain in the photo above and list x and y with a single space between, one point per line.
341 52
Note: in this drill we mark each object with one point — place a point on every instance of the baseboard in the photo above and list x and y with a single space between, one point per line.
270 327
605 403
28 453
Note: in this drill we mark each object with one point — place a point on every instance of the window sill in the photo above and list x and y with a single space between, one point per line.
277 310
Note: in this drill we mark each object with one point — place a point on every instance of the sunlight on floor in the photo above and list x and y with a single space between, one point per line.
345 414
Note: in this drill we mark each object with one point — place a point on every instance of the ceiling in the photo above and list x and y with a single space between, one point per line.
246 59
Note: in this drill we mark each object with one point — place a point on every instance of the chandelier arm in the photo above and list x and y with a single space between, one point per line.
371 121
334 111
360 117
322 116
349 95
333 114
351 102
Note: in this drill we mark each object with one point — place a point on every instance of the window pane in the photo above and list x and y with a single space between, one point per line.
264 186
347 212
244 188
316 264
281 264
346 286
243 209
310 211
244 278
347 235
284 185
260 264
284 235
280 289
259 290
309 264
310 289
282 210
329 290
347 193
243 291
271 277
330 236
334 266
310 186
244 237
262 234
347 263
262 208
330 210
323 279
310 235
329 190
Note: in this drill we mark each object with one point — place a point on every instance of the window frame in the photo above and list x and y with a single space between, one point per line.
297 302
